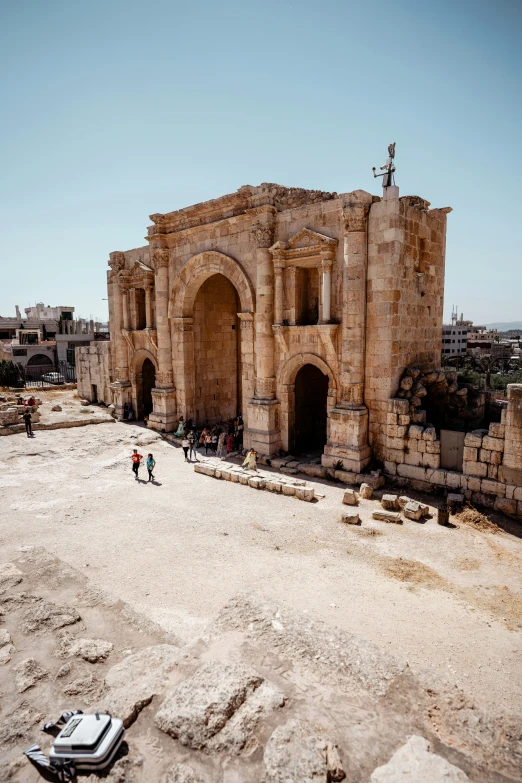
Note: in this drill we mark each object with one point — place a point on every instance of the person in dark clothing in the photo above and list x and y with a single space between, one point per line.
136 459
28 425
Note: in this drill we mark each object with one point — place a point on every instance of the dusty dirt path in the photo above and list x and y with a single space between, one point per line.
449 600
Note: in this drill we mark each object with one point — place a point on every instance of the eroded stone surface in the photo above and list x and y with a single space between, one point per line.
414 763
10 576
387 516
17 725
132 683
45 615
91 650
199 707
27 673
182 773
296 754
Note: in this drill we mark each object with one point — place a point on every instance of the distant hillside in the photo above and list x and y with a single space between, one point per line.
504 326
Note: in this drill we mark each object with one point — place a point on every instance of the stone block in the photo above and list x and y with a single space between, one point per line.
476 469
365 491
413 458
415 431
395 443
244 478
394 455
206 470
431 460
350 497
497 430
396 431
350 517
493 488
374 481
305 493
506 506
436 477
422 445
288 489
493 444
416 762
473 483
453 479
432 446
419 417
519 508
387 516
413 510
390 502
510 475
473 440
479 499
404 420
403 499
517 494
495 458
510 492
410 471
315 471
392 418
413 445
429 433
272 486
493 469
399 406
345 476
390 467
455 499
484 455
471 454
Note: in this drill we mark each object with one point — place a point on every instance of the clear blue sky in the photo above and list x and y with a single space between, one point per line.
113 110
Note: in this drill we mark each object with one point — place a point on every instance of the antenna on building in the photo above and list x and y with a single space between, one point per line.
390 189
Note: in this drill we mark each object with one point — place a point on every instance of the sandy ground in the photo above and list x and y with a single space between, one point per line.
445 599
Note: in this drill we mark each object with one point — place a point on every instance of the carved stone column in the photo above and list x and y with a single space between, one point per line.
348 420
148 306
279 266
125 305
163 416
326 293
120 385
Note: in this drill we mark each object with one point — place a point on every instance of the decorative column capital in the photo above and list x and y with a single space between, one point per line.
159 259
263 236
116 261
356 218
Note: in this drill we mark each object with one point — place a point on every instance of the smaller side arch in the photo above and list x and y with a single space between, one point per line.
138 359
289 370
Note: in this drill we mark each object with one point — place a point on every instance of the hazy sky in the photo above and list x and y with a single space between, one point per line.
112 111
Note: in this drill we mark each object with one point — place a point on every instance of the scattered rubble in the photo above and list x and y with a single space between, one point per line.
414 762
387 516
296 754
46 615
27 673
350 517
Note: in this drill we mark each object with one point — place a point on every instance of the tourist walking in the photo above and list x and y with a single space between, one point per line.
28 424
250 462
191 437
136 459
185 444
151 464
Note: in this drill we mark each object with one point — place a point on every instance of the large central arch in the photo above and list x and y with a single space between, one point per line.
185 289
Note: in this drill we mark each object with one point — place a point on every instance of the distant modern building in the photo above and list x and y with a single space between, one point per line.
454 339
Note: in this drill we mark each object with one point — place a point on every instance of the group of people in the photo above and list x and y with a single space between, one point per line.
220 441
128 412
136 462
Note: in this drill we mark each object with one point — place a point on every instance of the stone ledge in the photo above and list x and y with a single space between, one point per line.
256 480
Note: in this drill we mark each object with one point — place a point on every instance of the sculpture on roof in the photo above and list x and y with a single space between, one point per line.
388 168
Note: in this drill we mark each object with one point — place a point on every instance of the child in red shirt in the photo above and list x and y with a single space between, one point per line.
136 459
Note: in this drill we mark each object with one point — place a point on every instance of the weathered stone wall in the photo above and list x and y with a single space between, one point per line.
93 367
405 293
492 466
216 351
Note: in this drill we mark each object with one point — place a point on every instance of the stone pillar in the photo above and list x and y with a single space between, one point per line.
262 430
163 416
120 386
148 306
125 305
279 266
326 297
348 420
510 472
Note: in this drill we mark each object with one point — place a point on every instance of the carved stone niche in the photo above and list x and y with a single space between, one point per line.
139 282
306 260
116 261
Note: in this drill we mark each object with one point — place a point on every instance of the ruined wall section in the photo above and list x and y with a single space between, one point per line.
93 368
405 294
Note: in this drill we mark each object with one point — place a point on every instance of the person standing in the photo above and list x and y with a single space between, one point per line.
192 440
28 424
136 459
185 444
151 464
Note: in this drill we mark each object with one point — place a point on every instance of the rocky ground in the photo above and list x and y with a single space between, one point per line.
417 597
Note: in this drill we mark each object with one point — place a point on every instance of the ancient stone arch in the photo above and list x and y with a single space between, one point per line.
286 392
137 380
139 357
198 269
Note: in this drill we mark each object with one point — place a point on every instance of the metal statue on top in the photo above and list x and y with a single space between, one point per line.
388 168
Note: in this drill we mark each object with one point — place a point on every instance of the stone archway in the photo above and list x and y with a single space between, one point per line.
187 285
323 382
143 380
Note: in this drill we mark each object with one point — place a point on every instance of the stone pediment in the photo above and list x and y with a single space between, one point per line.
139 273
305 248
140 268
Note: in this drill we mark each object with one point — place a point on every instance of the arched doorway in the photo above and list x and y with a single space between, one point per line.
39 360
216 351
311 392
148 374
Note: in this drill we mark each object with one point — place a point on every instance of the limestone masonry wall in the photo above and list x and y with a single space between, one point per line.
93 368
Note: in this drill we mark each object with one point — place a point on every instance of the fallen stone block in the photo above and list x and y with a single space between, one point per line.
390 502
373 480
403 499
91 650
207 470
413 510
345 476
305 493
56 408
414 762
350 497
387 516
295 753
350 517
365 491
